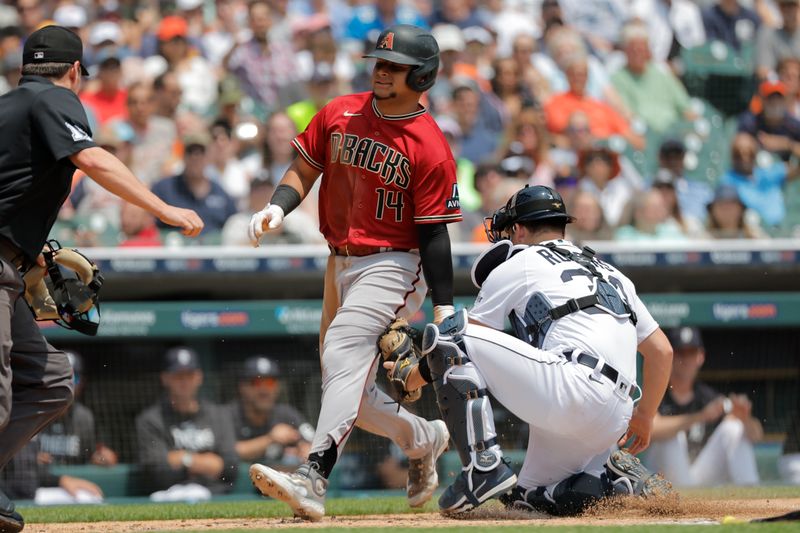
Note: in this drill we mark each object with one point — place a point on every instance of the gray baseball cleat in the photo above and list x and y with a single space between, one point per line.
304 489
10 520
473 487
621 464
422 476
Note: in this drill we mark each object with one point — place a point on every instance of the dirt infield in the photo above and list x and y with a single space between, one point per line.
630 512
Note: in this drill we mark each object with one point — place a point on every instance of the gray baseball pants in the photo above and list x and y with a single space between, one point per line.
362 296
35 378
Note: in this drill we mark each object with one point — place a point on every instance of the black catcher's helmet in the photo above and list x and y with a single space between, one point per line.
409 45
527 205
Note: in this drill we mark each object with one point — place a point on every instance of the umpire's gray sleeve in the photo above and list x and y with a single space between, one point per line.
225 436
154 444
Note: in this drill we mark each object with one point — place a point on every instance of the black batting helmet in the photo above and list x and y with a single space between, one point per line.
527 205
409 45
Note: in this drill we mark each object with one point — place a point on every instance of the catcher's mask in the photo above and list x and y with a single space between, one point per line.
74 287
527 205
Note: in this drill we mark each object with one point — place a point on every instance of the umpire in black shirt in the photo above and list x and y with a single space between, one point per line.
44 137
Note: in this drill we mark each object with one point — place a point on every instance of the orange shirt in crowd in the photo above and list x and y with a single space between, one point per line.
106 107
604 121
479 235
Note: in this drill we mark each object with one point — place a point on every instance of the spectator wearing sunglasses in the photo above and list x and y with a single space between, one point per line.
266 430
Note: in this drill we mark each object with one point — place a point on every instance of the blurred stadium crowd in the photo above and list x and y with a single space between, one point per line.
655 119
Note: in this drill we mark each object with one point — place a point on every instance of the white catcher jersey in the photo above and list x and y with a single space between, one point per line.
559 279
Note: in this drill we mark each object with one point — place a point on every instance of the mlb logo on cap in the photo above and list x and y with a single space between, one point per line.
263 365
38 55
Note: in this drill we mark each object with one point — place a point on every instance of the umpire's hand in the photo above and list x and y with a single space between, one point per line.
186 219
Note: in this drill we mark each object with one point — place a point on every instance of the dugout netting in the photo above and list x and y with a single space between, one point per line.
121 378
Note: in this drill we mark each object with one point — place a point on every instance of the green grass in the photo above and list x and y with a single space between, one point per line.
743 493
373 505
335 506
227 509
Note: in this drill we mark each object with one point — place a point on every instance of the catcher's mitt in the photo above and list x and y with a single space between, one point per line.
65 289
396 344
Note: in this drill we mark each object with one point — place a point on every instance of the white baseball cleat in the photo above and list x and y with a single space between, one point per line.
304 489
422 476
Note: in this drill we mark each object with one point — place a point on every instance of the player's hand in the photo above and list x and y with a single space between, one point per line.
284 434
271 217
186 219
207 464
75 484
639 429
40 261
104 456
713 411
44 458
741 407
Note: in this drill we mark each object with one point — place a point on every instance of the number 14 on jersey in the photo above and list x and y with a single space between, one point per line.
389 200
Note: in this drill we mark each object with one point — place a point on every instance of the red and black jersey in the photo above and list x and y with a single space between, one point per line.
381 174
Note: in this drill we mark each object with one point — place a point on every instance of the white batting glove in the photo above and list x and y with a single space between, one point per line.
272 216
440 312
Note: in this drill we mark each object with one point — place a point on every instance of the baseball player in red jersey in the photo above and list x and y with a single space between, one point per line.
388 190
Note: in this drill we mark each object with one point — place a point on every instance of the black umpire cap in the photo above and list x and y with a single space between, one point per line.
53 44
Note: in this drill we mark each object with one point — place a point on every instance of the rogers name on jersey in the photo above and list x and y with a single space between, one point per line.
348 149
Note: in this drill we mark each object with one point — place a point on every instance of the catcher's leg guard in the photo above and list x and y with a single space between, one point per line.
462 398
461 394
569 497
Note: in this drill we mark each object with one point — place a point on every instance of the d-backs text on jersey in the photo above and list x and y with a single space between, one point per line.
366 153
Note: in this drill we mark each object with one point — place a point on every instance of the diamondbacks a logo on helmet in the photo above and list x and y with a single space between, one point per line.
388 42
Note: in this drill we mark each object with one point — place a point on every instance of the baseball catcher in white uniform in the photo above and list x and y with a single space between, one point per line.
569 371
